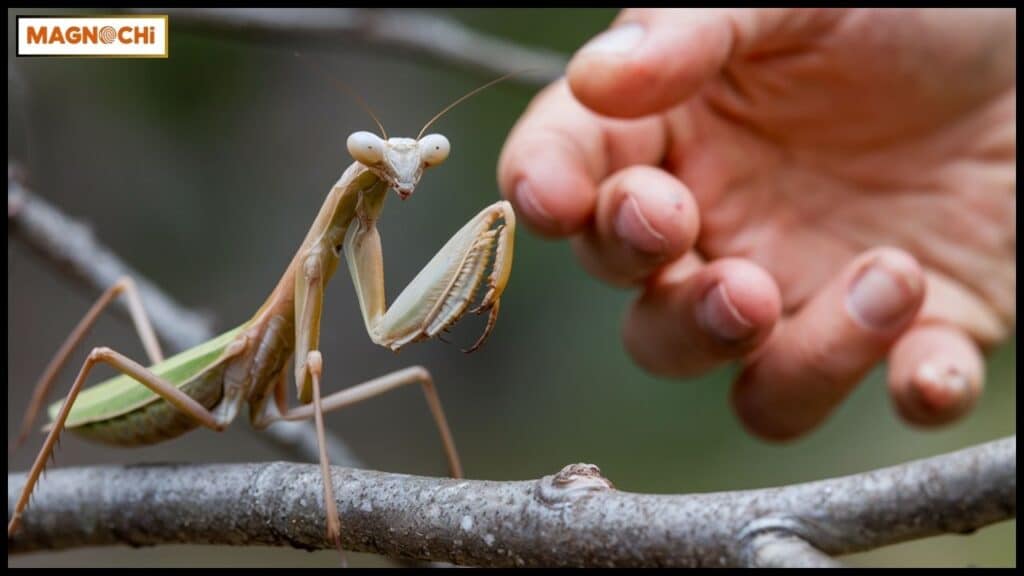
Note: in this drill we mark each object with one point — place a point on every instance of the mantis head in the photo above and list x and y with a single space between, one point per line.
398 161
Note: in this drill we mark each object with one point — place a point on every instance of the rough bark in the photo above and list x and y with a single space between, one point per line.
573 518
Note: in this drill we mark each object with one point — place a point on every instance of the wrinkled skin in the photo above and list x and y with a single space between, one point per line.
750 171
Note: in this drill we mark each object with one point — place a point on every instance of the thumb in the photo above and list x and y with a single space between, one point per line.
652 59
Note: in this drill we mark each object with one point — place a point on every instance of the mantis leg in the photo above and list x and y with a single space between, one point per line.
350 397
315 367
142 326
381 385
122 363
309 369
440 294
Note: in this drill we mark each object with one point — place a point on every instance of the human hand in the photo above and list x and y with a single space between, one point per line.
807 191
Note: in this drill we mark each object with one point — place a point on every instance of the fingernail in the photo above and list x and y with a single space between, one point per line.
877 299
717 315
527 200
940 388
632 227
619 40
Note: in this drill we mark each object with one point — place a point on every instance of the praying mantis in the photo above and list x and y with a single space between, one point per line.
208 384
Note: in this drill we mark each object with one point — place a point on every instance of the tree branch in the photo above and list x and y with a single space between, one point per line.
414 34
70 247
574 518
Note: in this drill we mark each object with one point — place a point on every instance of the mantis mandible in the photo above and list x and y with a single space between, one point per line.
207 385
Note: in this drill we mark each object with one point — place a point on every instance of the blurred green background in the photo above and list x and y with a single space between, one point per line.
203 171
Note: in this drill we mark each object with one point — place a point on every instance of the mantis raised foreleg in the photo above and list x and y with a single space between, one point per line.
207 385
440 294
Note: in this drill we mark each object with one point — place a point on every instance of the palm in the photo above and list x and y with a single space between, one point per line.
800 168
856 165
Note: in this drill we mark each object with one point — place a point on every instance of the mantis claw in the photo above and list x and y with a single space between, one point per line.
496 281
440 295
492 319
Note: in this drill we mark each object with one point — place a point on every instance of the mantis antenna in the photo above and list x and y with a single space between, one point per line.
466 96
347 89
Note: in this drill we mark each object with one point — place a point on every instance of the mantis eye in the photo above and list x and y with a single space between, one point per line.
366 147
434 149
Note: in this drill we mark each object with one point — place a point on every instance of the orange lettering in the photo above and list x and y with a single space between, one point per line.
36 35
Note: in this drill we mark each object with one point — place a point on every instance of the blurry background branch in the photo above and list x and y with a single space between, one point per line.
573 518
411 33
70 247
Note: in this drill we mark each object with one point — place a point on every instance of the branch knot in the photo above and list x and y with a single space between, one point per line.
573 482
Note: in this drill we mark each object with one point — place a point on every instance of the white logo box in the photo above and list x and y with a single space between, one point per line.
142 36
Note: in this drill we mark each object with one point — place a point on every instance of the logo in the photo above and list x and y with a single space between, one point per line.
93 36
